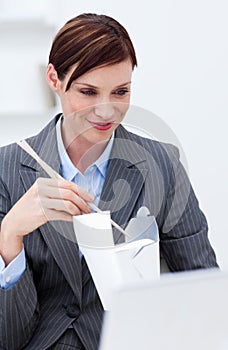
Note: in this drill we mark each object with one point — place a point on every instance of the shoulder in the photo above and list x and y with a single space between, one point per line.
11 155
163 153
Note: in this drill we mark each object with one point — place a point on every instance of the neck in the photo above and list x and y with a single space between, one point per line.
83 154
81 151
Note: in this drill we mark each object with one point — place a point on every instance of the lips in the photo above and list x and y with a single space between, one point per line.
102 126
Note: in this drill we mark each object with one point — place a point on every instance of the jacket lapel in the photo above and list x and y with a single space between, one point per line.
59 235
125 178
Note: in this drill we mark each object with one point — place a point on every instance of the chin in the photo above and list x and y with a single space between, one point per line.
99 137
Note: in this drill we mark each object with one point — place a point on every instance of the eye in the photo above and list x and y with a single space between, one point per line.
121 92
88 92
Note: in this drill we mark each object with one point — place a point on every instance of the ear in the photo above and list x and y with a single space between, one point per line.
52 78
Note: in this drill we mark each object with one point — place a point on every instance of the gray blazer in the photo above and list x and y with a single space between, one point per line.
56 288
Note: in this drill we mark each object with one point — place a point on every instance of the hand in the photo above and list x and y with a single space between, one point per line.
46 200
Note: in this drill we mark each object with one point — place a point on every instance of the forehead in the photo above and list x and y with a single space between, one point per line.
110 75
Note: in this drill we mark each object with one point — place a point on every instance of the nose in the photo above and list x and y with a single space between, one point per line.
104 110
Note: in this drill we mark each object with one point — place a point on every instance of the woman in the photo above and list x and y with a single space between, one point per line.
48 298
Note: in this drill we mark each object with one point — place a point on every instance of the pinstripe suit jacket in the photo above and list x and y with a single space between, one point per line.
56 288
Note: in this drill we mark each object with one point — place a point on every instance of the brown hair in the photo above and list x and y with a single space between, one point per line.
90 40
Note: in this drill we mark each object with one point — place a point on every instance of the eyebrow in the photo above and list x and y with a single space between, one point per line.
96 87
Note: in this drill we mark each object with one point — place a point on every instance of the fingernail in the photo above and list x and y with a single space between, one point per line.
88 210
91 197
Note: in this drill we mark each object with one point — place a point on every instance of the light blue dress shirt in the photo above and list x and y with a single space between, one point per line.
10 275
92 181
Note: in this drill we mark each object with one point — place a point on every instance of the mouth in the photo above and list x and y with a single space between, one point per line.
101 126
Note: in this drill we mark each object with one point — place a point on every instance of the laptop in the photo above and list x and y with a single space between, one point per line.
182 311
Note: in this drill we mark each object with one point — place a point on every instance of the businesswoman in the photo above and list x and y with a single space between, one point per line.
48 298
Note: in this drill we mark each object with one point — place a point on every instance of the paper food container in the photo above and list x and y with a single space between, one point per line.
115 266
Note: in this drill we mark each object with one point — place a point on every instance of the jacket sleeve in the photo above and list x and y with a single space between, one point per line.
184 232
19 311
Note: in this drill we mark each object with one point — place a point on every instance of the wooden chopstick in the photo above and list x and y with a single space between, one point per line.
54 175
27 148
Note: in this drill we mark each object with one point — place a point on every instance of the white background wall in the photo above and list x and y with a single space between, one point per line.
182 77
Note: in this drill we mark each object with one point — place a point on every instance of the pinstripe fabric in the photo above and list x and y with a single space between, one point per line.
34 313
66 340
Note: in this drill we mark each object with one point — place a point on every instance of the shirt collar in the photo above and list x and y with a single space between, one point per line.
69 171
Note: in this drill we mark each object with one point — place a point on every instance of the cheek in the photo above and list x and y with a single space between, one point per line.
124 108
77 104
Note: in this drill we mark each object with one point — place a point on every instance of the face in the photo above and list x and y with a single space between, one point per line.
96 102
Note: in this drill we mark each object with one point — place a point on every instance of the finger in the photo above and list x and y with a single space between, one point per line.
62 183
88 197
53 215
60 206
66 195
77 189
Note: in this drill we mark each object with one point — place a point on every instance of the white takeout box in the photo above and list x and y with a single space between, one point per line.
115 266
